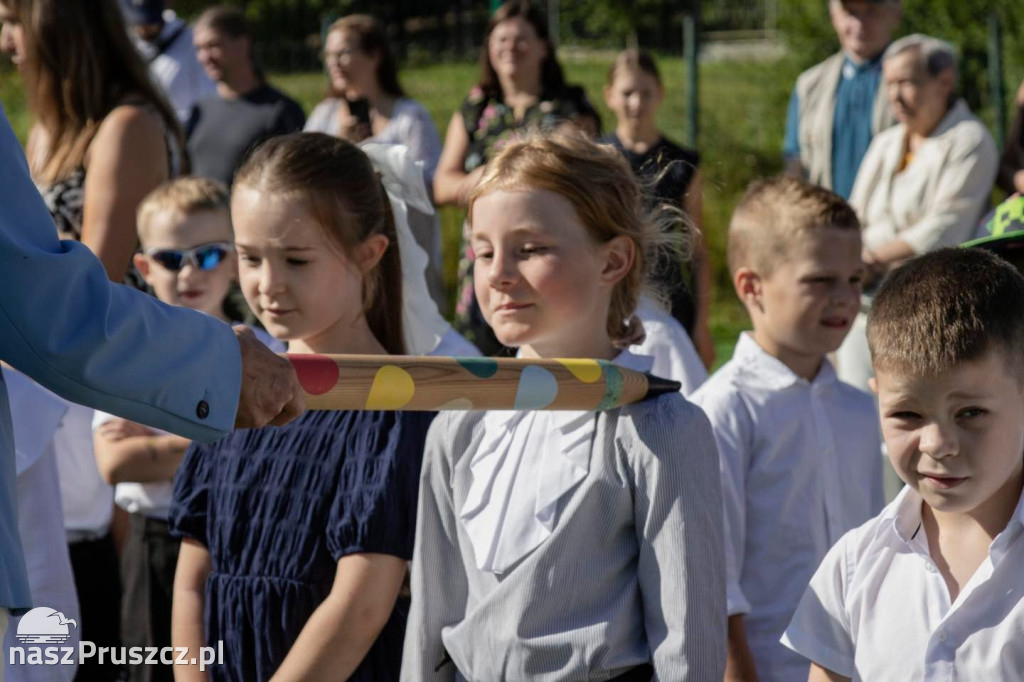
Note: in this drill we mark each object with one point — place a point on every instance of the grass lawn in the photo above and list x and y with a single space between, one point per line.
742 114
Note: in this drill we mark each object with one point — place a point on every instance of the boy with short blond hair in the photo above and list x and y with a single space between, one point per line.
187 257
187 244
800 451
183 197
931 587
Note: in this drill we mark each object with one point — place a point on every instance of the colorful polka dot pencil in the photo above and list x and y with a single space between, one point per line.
416 383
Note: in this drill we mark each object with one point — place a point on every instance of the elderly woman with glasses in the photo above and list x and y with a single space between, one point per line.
926 181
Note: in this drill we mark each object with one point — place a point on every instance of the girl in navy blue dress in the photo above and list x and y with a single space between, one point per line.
296 539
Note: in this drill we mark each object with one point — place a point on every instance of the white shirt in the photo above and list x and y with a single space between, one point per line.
454 345
176 70
801 465
670 346
88 499
36 413
878 608
151 499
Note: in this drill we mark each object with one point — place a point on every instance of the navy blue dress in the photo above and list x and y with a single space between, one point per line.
278 507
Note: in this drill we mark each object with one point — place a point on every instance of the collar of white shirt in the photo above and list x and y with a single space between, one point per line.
759 368
525 464
902 519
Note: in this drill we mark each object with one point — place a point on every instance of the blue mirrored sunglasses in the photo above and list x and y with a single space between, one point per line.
204 257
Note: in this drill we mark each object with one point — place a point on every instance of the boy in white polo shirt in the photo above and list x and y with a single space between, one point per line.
933 587
800 451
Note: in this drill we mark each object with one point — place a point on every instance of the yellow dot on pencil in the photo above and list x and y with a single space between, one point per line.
587 371
392 389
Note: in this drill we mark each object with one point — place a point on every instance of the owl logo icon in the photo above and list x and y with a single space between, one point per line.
44 626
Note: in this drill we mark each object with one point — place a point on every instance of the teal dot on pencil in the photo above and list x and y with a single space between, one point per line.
612 386
483 368
537 389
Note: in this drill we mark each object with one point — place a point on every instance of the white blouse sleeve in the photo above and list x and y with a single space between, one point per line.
416 130
323 118
671 347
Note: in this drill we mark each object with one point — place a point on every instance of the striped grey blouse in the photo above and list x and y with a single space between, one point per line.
633 573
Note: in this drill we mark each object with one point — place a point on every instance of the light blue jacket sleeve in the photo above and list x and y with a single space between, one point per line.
104 345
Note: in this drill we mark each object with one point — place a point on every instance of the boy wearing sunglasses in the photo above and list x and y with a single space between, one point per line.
187 253
187 256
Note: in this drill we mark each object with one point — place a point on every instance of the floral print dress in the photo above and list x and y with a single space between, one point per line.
65 198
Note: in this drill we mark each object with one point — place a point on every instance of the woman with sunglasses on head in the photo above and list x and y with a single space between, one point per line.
365 102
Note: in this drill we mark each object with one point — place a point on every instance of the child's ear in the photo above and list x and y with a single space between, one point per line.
369 253
748 285
873 385
620 253
607 94
141 263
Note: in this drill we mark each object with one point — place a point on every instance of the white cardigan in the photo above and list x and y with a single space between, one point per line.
938 199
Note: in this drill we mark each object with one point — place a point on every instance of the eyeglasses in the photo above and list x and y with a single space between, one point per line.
205 257
337 56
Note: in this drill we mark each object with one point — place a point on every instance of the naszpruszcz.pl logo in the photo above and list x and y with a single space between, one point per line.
45 627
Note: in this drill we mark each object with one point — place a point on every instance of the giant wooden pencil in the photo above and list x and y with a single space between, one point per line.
417 383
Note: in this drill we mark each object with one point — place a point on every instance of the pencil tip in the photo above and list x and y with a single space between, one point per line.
658 386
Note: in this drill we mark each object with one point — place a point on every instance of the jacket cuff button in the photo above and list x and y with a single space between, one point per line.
203 409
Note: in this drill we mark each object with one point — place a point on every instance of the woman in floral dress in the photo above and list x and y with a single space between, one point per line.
521 88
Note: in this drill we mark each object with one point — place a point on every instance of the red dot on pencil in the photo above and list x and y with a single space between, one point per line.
317 373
